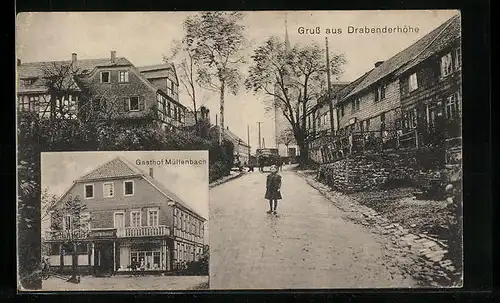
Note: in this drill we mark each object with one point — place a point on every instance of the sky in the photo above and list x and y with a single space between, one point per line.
144 37
188 182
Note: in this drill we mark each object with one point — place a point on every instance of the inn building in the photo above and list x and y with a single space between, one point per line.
107 88
132 217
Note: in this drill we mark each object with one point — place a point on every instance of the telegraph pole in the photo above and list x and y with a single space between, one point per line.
248 141
260 144
330 101
263 143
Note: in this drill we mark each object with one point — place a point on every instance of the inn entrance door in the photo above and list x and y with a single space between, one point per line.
103 258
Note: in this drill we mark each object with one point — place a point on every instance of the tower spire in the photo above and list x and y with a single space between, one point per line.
287 40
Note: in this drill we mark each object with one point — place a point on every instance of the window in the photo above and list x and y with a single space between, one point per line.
169 110
380 93
123 76
153 217
105 77
24 104
458 58
357 103
169 87
85 221
133 103
29 81
135 218
108 189
353 106
128 188
96 104
119 220
446 65
89 191
452 109
412 82
342 110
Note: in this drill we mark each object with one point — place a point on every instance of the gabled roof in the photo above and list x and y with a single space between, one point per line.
403 57
343 92
158 71
229 135
115 168
121 168
39 70
449 34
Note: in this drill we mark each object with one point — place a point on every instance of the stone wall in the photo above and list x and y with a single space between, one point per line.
381 170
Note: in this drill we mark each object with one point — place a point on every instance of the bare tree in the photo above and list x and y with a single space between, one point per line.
292 78
184 56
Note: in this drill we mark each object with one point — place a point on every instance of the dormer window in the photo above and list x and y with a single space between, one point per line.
105 77
29 81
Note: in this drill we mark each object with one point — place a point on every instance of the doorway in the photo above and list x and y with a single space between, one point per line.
103 259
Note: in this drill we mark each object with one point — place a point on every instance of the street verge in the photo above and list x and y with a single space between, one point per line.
429 265
226 179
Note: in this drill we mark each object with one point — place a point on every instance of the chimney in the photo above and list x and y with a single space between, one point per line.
18 62
113 56
378 63
73 59
151 172
227 127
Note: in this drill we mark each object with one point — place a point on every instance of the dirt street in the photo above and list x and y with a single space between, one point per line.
309 244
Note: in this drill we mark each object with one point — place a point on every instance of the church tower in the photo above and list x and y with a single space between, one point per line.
280 122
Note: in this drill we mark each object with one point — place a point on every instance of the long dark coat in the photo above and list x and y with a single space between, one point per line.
273 185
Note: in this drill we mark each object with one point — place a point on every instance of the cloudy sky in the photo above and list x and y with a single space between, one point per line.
144 37
188 182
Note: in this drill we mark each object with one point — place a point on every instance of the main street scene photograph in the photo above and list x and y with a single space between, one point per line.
333 139
124 221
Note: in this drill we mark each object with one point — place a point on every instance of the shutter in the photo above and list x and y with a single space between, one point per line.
141 102
125 105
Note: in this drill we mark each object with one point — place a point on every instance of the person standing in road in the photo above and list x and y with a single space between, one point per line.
273 187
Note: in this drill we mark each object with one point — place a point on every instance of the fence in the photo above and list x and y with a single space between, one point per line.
358 142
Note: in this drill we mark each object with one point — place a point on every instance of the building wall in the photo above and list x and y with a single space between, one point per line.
116 94
369 109
102 209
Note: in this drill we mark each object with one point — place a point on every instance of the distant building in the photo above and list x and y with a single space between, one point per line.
132 218
241 148
203 114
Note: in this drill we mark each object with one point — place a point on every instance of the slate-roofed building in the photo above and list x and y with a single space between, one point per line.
108 88
380 105
133 219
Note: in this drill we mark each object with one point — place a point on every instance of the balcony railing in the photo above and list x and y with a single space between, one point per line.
143 231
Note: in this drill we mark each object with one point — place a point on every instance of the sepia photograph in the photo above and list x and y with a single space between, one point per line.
332 143
124 220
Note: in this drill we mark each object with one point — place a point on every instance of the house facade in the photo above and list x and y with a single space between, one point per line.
319 127
163 76
410 100
431 92
110 88
241 150
132 218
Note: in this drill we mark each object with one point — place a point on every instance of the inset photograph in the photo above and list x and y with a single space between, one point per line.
124 220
